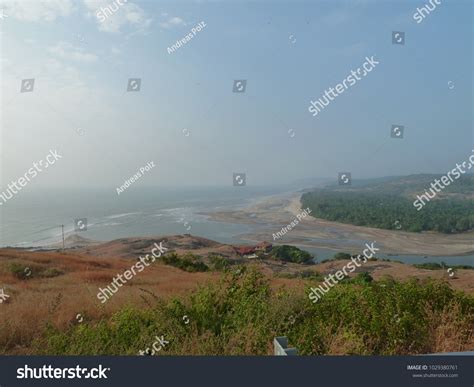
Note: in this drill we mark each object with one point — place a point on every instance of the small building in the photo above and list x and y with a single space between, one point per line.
252 251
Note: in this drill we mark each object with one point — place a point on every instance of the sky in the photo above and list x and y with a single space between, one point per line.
186 117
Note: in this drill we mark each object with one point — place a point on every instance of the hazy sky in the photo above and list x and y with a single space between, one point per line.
288 52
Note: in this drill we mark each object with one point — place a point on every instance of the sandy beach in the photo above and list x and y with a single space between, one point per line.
273 213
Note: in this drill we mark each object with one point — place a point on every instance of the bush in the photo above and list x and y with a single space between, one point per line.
240 315
189 262
360 278
342 256
25 272
19 270
218 262
304 274
438 266
50 272
291 254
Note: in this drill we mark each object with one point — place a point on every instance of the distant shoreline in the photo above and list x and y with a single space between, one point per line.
264 216
272 213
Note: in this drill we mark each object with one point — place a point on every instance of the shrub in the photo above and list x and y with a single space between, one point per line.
50 272
439 266
189 262
21 271
291 254
304 274
218 262
240 315
24 272
342 256
360 278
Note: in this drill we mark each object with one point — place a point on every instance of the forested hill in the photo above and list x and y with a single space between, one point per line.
388 203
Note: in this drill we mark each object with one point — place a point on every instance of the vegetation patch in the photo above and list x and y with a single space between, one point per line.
304 274
188 262
442 265
392 212
241 315
290 254
23 271
219 262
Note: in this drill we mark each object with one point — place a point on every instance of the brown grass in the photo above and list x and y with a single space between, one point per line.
36 302
448 332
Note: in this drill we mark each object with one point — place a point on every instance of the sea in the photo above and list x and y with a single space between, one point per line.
34 218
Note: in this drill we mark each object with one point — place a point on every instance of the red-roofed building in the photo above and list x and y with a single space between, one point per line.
264 247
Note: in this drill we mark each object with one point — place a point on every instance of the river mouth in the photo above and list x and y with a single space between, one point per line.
273 219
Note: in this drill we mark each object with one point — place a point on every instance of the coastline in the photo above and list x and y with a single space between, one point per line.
273 213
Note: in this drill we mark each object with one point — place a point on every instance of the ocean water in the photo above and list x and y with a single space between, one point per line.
34 218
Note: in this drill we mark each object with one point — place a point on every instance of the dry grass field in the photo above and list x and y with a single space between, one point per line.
59 288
